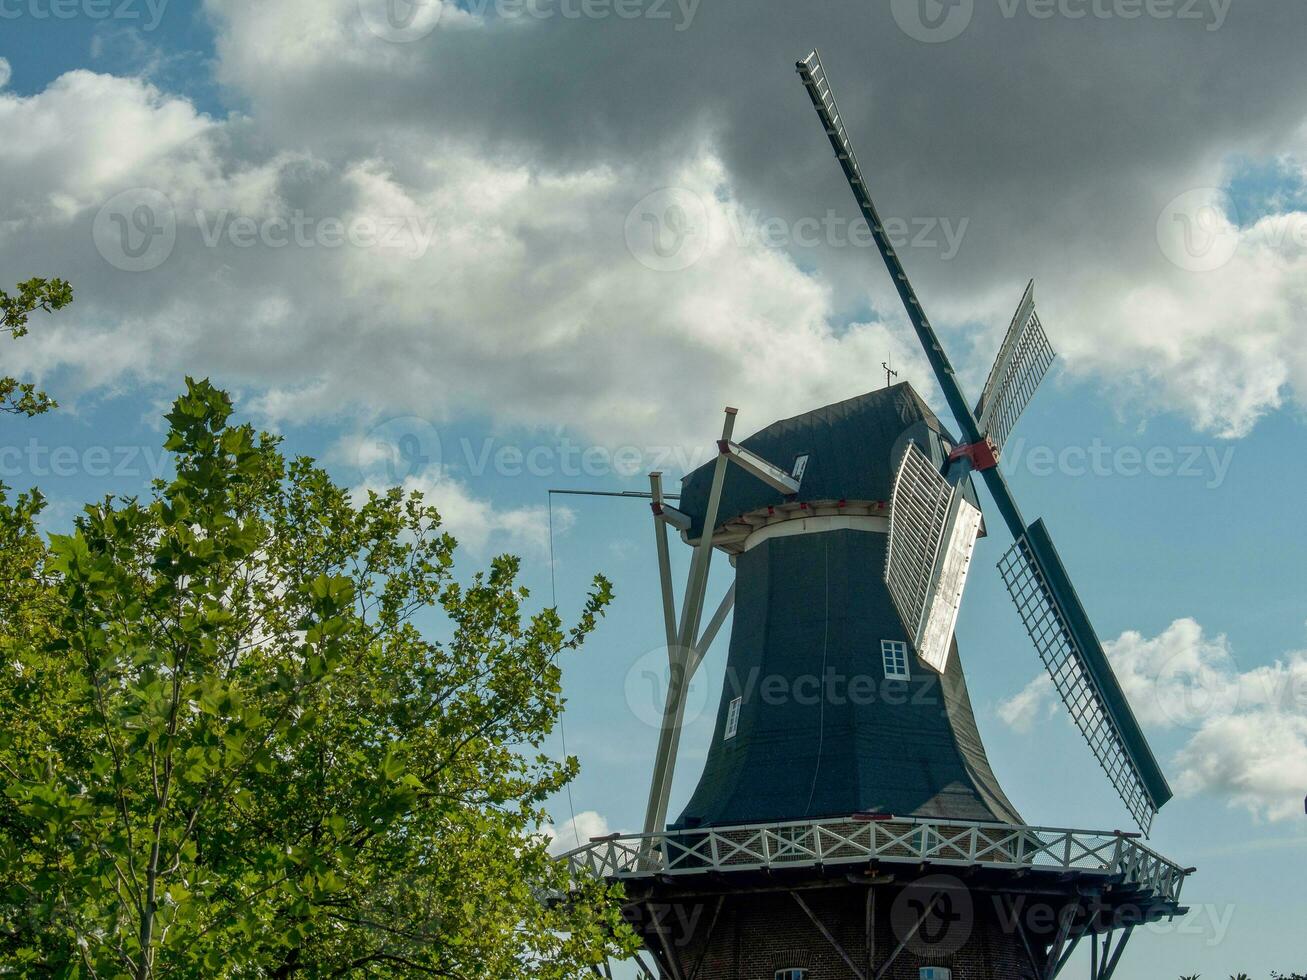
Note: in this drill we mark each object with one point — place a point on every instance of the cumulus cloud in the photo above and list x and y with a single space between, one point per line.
1037 699
437 280
479 220
1246 731
477 523
575 832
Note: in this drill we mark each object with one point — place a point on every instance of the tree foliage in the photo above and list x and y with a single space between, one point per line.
47 295
229 750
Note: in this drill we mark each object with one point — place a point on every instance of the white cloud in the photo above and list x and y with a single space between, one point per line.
472 282
478 524
1221 345
1023 709
572 833
76 143
509 289
1248 729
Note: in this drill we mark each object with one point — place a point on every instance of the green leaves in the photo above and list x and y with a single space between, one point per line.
46 295
228 751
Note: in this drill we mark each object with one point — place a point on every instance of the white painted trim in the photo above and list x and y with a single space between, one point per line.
817 525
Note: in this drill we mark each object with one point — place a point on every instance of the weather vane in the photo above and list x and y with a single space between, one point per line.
889 371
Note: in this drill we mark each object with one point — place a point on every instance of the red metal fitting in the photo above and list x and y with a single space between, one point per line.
983 454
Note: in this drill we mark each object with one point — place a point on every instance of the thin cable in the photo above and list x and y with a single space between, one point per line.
562 728
821 718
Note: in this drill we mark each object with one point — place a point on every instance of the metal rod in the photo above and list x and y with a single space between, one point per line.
1066 956
828 937
639 494
672 965
714 626
930 343
691 612
884 967
664 564
1025 940
1110 967
707 937
871 930
1055 950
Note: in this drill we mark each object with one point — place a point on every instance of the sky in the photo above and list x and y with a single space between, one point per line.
496 247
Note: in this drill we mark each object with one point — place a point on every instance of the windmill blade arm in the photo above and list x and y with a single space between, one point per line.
1022 361
813 74
1070 650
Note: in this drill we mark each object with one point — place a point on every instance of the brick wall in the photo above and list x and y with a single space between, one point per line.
757 933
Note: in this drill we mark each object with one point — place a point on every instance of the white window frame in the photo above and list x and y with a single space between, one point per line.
792 973
733 718
894 656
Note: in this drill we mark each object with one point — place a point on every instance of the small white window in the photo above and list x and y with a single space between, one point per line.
733 718
895 654
792 973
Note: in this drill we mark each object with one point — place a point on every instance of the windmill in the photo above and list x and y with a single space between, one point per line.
847 822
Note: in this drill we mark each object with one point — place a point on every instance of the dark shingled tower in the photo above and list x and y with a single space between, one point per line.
811 611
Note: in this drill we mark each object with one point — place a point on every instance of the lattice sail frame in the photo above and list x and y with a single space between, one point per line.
933 532
1047 625
1023 359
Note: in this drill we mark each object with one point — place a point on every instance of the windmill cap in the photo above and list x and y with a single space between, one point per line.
851 447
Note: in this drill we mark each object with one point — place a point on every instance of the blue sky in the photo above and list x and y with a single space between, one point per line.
524 319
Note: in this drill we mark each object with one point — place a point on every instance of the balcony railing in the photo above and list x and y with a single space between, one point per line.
1117 856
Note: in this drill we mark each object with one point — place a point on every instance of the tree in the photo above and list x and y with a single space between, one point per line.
18 397
230 751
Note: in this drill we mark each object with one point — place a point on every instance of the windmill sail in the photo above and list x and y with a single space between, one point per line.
933 531
1048 604
1069 648
1022 361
